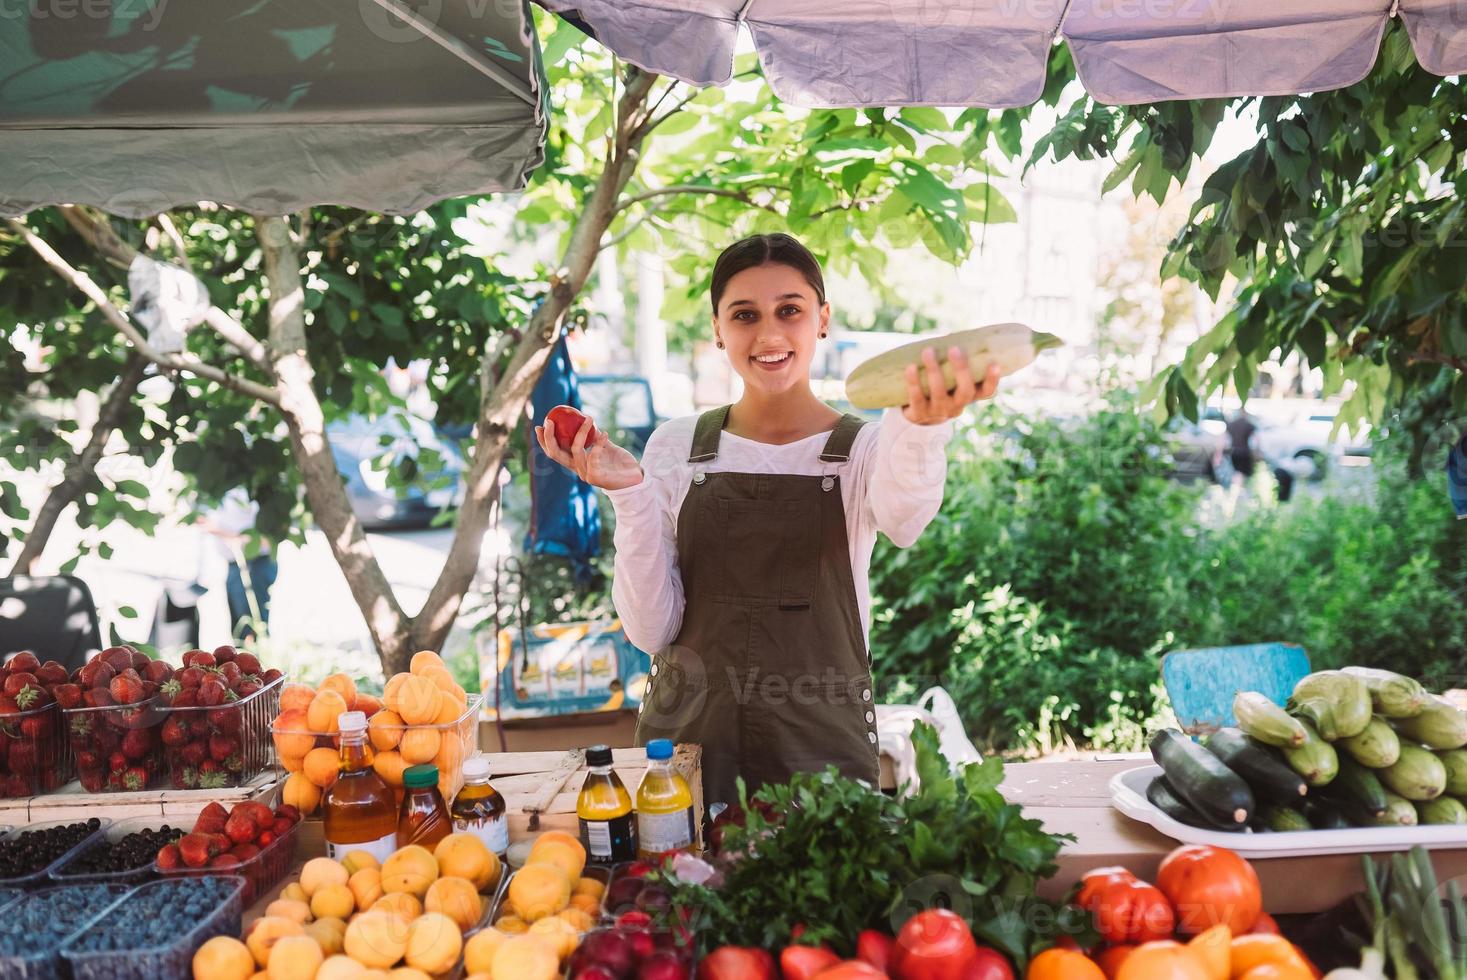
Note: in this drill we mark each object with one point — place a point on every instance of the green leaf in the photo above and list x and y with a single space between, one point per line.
924 119
131 488
127 612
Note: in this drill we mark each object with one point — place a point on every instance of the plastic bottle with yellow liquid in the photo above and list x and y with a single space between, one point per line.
608 826
664 806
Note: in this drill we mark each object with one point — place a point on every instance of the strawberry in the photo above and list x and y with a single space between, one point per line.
87 759
198 726
19 680
67 695
190 676
248 663
169 857
97 673
17 785
265 839
222 842
211 819
225 654
248 685
137 743
226 719
244 852
97 697
126 687
194 753
38 725
240 828
135 778
271 675
196 849
231 674
158 671
288 811
186 698
281 826
211 692
118 658
211 775
22 756
92 780
116 762
224 861
260 814
198 658
175 731
23 661
140 661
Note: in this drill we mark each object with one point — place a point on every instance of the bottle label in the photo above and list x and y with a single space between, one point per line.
381 849
610 841
494 832
659 833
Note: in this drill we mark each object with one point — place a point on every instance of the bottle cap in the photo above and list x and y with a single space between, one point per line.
598 755
476 767
659 749
351 721
420 777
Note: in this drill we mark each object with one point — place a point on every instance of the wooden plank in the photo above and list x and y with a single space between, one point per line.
70 803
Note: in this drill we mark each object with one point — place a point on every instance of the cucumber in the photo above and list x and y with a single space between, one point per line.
1360 786
1439 725
881 381
1455 761
1443 809
1202 781
1315 760
1377 747
1269 778
1165 799
1391 695
1324 814
1270 724
1417 775
1283 819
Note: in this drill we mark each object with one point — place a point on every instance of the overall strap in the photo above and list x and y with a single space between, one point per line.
705 434
842 438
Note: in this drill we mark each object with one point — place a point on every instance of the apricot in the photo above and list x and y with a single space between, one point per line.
293 763
512 925
354 861
333 901
448 711
539 890
568 857
340 967
410 869
462 855
424 659
559 933
322 766
419 745
291 731
319 872
417 700
326 707
434 942
408 973
385 730
389 765
525 958
289 909
457 899
404 905
367 704
450 759
223 958
365 887
479 950
376 939
579 918
296 697
589 886
586 904
294 958
295 891
301 793
326 936
343 685
267 931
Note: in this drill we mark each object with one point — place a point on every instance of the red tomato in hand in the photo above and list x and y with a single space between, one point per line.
736 963
1132 912
803 962
933 945
1094 881
1208 885
874 946
566 422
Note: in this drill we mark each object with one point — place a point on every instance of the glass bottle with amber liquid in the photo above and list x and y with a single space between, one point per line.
479 808
608 827
360 810
424 818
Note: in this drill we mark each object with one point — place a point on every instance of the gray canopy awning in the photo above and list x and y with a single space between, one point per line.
268 105
994 52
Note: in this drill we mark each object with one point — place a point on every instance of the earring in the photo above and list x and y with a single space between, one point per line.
822 336
719 343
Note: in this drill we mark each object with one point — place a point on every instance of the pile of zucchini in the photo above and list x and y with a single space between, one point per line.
1352 748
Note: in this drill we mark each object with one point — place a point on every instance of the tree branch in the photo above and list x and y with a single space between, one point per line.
651 213
81 467
1436 357
176 240
696 189
173 362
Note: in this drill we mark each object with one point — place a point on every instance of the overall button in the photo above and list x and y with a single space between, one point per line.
866 695
872 737
870 718
699 477
827 484
654 670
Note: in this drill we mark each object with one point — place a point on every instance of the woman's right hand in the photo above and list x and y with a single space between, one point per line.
601 463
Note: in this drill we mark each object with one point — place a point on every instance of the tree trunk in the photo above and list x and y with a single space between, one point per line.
79 471
330 506
503 405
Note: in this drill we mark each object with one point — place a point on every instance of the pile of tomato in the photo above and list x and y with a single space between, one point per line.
1202 919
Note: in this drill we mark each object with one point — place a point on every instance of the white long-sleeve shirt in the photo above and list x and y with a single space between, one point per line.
892 484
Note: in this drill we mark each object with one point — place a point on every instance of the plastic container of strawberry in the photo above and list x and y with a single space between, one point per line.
16 835
116 748
39 923
70 871
35 756
228 744
260 872
198 920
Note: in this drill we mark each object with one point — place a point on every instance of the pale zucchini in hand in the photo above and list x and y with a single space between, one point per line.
881 381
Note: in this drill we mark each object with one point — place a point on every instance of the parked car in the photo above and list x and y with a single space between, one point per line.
1200 451
357 443
622 405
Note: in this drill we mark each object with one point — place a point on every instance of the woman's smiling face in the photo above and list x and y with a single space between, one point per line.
769 320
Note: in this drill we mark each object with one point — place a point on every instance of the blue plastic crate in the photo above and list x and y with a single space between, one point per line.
1202 683
171 961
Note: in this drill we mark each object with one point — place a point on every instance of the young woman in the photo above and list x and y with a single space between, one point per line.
743 540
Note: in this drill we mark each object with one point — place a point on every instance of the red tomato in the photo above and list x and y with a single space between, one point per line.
988 965
1132 912
566 422
850 970
874 947
1091 883
803 962
933 945
1208 885
1266 924
736 963
1110 960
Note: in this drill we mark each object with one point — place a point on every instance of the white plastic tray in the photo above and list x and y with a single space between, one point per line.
1128 795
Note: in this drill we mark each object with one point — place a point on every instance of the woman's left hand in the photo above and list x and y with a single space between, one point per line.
942 405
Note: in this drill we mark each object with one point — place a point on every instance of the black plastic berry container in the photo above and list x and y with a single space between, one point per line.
37 877
69 874
41 959
172 961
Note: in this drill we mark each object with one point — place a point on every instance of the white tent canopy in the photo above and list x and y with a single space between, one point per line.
993 53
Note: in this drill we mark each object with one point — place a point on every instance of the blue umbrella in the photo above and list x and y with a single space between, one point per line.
564 518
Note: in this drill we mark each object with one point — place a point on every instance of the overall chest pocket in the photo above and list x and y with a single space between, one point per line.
764 551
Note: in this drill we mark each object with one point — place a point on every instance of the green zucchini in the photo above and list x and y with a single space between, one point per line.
1439 724
1399 813
1315 760
1164 798
1391 695
1269 778
1417 775
1359 785
1202 781
1443 809
1335 703
1377 747
1262 719
1283 819
1324 814
1455 761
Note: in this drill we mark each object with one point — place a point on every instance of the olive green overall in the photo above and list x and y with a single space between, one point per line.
769 672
